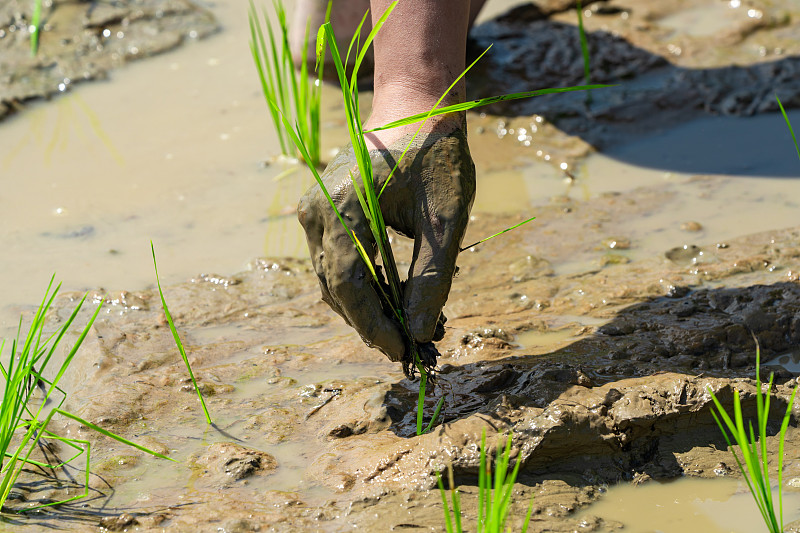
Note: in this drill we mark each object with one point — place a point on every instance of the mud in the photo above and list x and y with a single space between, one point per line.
665 58
82 41
587 332
313 430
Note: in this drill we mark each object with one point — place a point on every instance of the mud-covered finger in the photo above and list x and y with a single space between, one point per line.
313 222
447 192
353 289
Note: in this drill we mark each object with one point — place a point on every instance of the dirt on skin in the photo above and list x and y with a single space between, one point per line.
598 360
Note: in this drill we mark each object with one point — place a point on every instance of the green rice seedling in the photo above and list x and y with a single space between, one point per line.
494 494
789 124
364 185
584 51
178 339
24 415
36 19
756 463
281 83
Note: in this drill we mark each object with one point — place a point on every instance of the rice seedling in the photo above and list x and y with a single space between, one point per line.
755 466
280 82
419 357
26 415
178 339
36 19
584 51
789 124
494 496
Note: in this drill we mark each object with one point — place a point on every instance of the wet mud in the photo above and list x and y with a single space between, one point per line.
82 41
670 62
313 430
595 352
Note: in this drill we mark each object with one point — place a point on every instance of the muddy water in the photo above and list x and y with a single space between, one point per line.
685 505
593 333
105 168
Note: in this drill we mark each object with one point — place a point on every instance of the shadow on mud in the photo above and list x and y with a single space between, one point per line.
679 119
88 512
627 398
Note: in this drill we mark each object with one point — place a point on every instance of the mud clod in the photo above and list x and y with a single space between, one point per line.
234 462
118 523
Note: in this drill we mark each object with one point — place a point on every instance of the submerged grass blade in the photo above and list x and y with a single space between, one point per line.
177 337
789 124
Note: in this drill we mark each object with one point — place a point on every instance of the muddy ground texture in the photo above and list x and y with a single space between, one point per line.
598 360
83 40
622 399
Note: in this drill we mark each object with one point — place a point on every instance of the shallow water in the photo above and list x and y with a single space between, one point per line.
172 150
707 20
711 506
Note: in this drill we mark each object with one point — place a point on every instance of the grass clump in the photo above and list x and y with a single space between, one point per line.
29 400
297 93
754 463
177 338
494 494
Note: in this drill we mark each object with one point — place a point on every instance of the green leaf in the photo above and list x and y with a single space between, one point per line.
177 337
496 234
114 436
466 106
789 125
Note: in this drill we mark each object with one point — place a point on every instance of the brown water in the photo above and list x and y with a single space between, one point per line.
173 149
710 506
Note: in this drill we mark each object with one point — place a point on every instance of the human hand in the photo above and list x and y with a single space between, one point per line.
429 199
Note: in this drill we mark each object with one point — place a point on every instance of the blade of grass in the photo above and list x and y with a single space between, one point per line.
482 482
496 234
782 436
584 51
36 20
435 416
430 114
754 464
289 90
455 497
472 104
260 56
21 380
177 337
448 524
789 124
111 435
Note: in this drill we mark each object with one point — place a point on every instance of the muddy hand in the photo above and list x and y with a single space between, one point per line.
428 199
